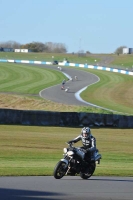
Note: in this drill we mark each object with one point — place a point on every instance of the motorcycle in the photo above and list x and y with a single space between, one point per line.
74 163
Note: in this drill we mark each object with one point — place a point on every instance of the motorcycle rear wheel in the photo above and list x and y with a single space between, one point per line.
88 175
60 170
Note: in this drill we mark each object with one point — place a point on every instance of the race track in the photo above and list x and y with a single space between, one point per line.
55 93
69 187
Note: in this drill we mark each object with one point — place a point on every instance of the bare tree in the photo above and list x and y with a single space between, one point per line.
48 47
10 44
56 47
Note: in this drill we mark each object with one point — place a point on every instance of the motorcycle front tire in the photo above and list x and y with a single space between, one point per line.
60 170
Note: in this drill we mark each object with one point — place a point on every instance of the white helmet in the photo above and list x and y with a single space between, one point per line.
85 132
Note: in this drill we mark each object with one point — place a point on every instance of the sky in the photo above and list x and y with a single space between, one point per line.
97 26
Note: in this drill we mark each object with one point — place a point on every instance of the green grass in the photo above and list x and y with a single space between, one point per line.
32 150
124 61
27 79
48 57
114 90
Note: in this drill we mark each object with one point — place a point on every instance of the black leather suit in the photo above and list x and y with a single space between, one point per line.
89 144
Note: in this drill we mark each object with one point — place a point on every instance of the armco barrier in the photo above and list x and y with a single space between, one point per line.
70 64
70 119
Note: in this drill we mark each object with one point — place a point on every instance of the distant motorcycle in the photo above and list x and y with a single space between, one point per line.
73 163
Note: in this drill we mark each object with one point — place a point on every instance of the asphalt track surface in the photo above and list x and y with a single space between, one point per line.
55 93
69 187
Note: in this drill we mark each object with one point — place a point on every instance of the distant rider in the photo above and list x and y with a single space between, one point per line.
63 83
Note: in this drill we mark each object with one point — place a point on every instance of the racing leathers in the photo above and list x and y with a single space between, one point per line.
89 145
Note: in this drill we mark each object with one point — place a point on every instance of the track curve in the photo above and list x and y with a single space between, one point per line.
57 95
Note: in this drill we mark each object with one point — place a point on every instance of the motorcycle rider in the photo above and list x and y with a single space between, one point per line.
63 84
88 141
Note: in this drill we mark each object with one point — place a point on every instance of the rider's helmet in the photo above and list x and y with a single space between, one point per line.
85 132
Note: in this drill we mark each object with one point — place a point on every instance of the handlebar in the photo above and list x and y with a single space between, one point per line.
70 144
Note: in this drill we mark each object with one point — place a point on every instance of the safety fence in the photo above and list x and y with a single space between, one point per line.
70 119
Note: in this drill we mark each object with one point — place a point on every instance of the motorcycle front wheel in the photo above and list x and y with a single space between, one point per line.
60 170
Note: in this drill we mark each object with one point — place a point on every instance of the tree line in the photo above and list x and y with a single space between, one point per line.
48 47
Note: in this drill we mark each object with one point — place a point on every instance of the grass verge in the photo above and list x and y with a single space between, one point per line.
32 150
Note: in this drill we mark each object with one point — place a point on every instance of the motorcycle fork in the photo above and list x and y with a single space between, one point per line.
69 167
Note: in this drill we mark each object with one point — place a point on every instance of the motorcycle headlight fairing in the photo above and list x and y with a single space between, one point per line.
70 153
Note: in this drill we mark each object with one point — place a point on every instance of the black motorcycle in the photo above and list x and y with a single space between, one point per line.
74 163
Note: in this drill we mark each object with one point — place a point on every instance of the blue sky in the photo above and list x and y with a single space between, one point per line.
98 26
